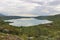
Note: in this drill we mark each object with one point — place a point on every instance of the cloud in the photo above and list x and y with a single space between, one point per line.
44 11
29 7
16 7
42 2
55 2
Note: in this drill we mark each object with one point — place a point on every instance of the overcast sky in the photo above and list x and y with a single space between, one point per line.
30 7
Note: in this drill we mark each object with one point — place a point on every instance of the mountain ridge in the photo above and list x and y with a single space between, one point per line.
2 15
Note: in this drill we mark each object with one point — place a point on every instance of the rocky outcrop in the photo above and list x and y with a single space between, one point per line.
9 37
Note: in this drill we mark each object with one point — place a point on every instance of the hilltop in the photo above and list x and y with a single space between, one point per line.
48 17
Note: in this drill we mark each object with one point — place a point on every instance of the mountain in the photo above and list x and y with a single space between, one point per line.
39 17
2 15
12 17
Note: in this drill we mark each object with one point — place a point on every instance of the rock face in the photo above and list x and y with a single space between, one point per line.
9 37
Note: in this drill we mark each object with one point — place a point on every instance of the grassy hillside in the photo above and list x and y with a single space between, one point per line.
48 17
39 32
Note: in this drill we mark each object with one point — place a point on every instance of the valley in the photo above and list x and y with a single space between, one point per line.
50 31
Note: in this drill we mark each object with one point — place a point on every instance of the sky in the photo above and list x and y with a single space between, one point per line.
30 8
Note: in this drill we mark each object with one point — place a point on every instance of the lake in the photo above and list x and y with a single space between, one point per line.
27 22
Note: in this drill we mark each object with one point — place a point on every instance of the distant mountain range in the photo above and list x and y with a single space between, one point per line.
39 17
2 15
11 17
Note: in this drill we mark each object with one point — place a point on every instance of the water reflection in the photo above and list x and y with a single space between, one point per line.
27 22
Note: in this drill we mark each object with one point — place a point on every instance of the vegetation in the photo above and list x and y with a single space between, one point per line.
49 31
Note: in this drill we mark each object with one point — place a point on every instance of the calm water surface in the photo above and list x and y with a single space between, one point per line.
27 22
